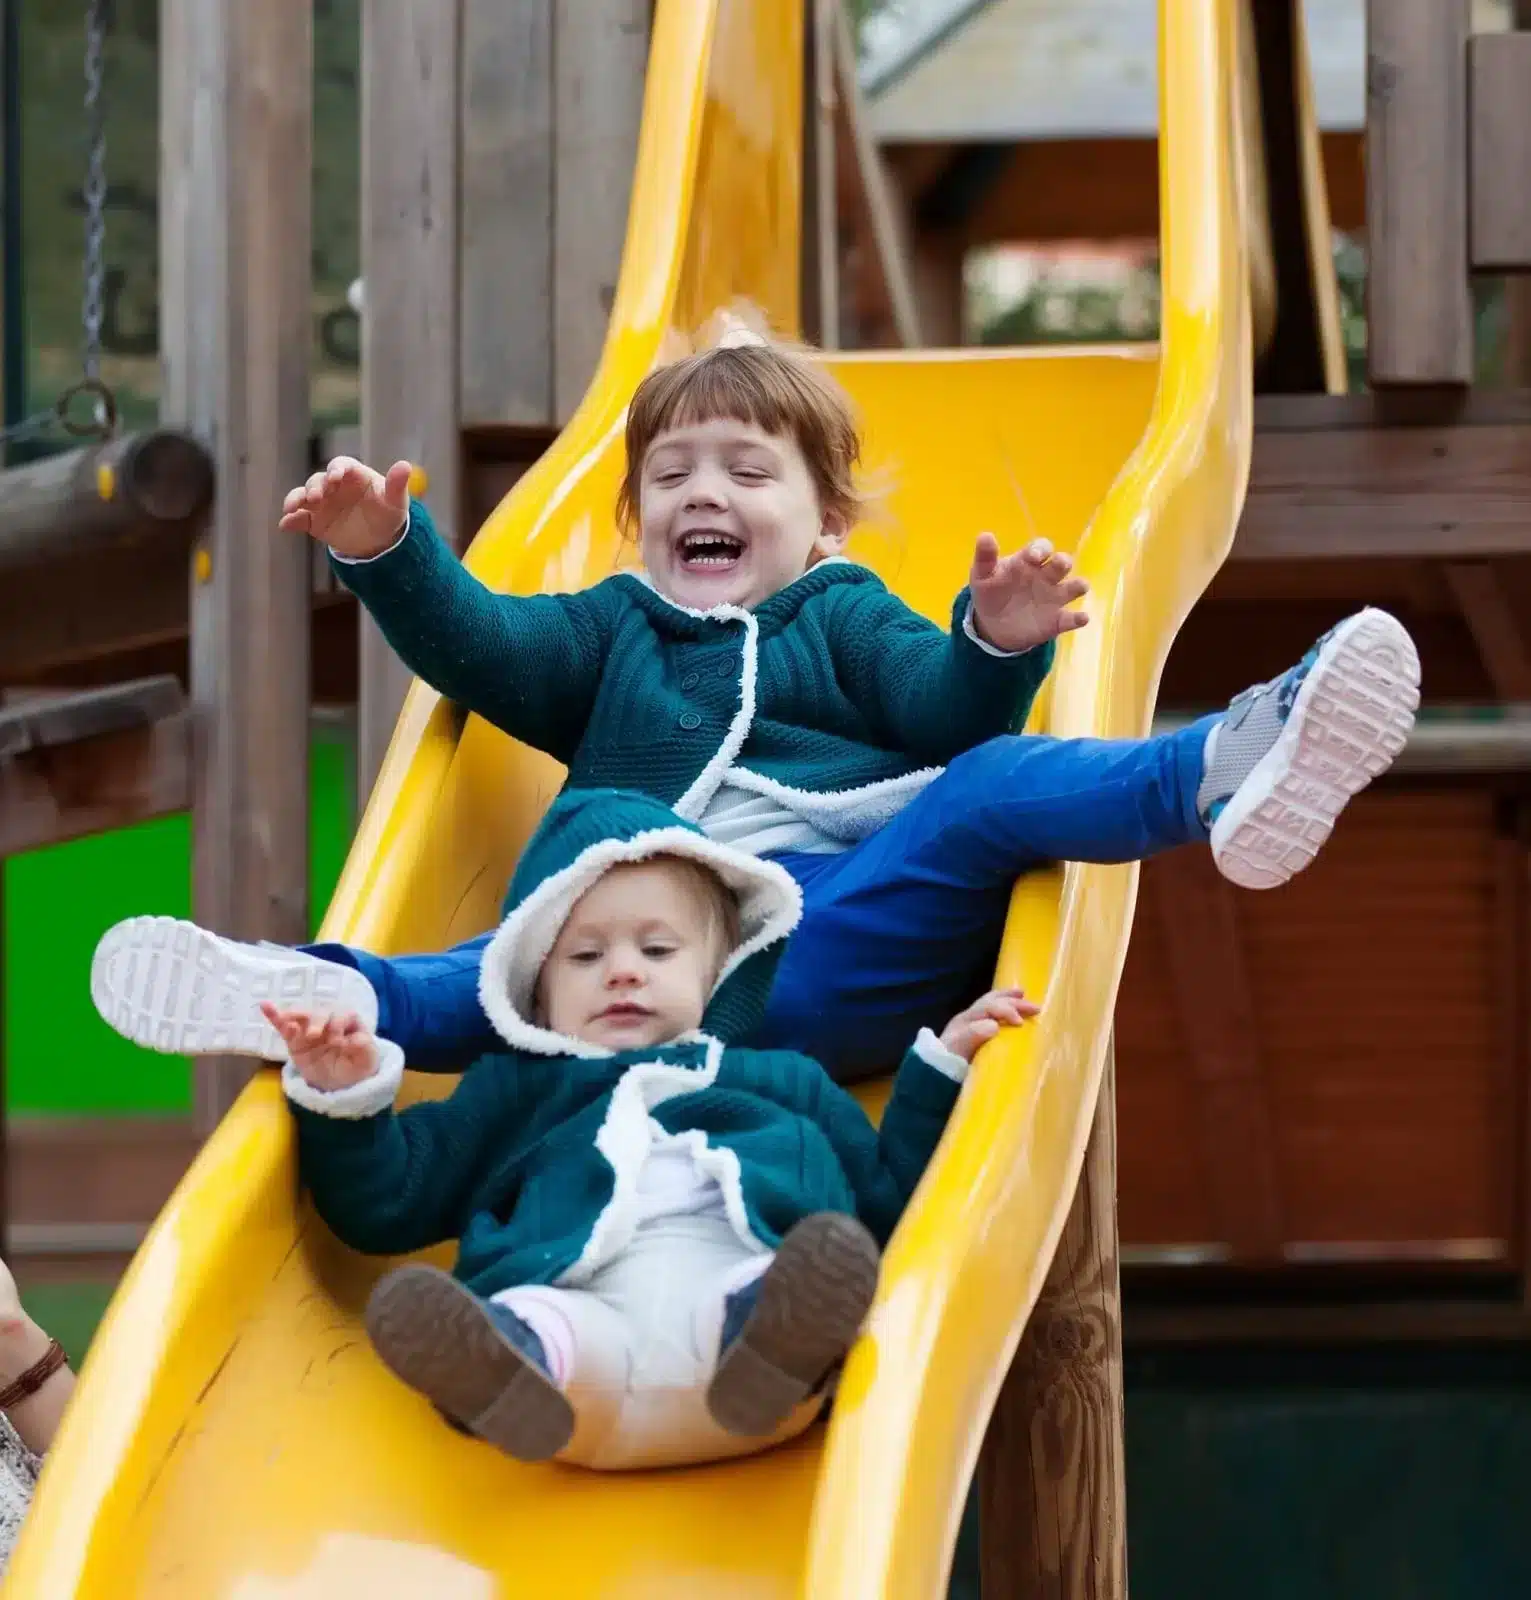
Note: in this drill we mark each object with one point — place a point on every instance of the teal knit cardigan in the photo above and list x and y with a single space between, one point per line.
534 1160
509 1162
832 695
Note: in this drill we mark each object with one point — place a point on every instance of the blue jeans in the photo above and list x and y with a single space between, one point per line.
900 931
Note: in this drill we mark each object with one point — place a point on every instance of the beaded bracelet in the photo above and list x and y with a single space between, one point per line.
34 1377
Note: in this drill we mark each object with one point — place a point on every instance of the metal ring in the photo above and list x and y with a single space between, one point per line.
102 427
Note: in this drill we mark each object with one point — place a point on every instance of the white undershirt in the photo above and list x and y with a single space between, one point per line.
671 1184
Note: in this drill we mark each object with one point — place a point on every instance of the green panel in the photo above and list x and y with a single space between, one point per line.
59 1056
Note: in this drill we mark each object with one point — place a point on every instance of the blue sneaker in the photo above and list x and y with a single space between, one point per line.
1289 754
786 1333
479 1364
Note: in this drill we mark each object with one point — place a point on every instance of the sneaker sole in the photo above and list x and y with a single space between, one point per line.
813 1299
436 1336
171 986
1348 723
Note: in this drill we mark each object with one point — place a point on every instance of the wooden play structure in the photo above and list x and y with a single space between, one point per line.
1303 1093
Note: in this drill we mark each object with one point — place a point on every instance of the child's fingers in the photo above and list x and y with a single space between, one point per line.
295 499
1069 620
1058 565
396 486
297 521
985 558
1038 553
1070 589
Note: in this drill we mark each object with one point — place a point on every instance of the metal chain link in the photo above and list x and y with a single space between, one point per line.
102 421
95 188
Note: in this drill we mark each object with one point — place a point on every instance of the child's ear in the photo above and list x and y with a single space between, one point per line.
833 532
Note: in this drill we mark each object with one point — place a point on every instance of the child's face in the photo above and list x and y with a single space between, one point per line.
636 960
729 515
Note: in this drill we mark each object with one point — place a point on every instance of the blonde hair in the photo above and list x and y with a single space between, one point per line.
747 376
720 906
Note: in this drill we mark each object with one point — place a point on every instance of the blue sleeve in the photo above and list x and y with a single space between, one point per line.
388 1183
930 692
530 664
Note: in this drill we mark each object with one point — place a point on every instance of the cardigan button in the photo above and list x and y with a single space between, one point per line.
725 669
691 680
691 722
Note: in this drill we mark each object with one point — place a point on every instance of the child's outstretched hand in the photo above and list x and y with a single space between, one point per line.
355 511
329 1052
1023 600
999 1008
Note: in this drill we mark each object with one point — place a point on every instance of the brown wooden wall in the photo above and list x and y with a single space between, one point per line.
1333 1070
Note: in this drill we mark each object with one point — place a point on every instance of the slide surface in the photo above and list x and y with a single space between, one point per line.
233 1437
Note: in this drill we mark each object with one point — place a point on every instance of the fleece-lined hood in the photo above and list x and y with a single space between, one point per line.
586 833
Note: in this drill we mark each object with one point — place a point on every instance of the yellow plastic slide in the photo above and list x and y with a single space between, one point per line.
233 1438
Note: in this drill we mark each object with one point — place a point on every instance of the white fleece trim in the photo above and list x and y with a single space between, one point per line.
969 628
770 906
934 1054
360 1100
846 814
625 1139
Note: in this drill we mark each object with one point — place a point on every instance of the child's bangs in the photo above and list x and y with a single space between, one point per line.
717 388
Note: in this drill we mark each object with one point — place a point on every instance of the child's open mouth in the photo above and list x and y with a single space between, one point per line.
705 551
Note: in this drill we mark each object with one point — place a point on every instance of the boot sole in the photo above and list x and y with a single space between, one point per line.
171 986
1349 722
813 1299
438 1337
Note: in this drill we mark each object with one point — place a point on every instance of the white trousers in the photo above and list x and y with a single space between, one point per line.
635 1349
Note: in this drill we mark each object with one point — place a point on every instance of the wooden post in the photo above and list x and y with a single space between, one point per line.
552 99
600 55
507 213
1499 100
1419 295
409 402
236 325
1053 1475
819 285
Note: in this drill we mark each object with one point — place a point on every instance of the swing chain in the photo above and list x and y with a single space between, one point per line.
104 419
95 187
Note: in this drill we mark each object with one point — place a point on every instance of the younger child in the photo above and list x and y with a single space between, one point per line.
661 1259
779 696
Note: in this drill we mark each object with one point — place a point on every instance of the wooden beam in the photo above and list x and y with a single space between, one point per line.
869 196
410 82
1336 1318
133 487
1052 1477
1501 641
1299 358
819 258
1199 933
600 56
50 794
506 331
1499 98
47 719
1059 190
235 331
1419 298
1329 479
